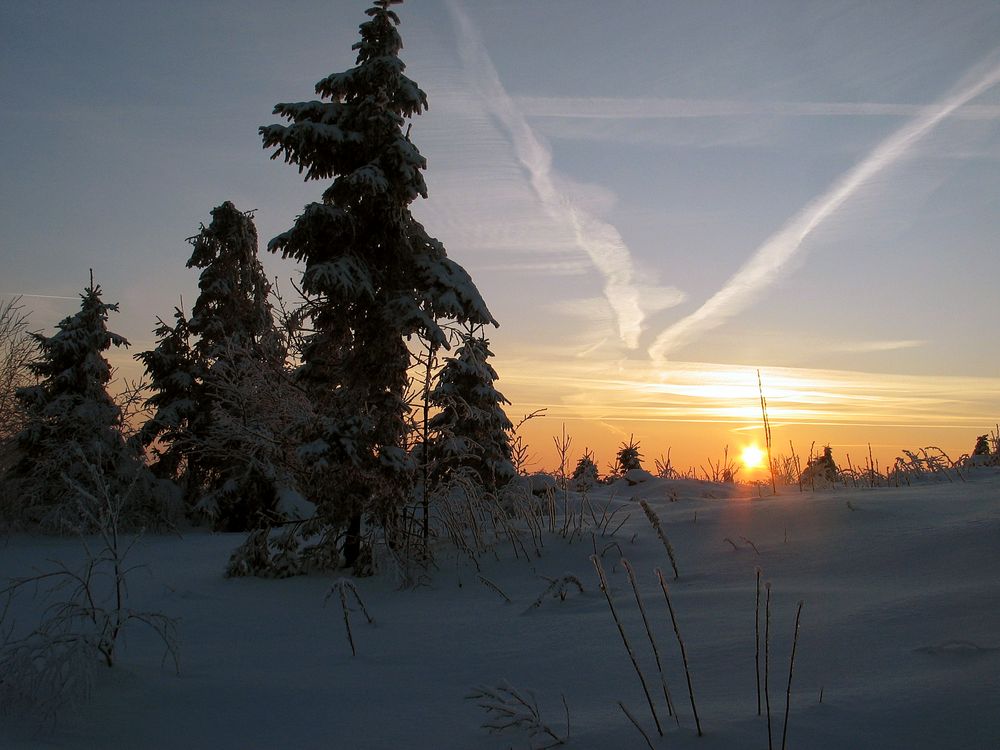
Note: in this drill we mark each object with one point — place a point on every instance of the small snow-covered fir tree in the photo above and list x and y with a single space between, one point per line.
982 447
585 474
73 434
173 373
627 458
373 275
821 469
471 432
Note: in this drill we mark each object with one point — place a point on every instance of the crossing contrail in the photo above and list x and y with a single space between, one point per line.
767 262
601 241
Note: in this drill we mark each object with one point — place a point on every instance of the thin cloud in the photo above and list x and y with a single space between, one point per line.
635 390
862 347
764 268
601 241
642 108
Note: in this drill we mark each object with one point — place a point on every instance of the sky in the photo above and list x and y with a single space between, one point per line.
656 198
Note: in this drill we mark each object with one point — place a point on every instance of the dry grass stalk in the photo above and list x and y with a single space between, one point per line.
735 547
756 634
596 561
767 661
343 586
636 724
680 642
756 551
791 668
655 521
767 432
652 641
562 449
490 585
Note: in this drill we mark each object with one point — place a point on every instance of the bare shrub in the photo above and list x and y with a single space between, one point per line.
51 665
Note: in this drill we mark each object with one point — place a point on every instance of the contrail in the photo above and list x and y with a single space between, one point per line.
647 108
601 241
763 268
37 296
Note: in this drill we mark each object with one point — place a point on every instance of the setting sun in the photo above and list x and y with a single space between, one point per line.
752 457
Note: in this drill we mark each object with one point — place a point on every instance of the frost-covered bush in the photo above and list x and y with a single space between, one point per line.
17 350
50 665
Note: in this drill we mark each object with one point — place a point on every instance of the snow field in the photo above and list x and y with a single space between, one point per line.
900 631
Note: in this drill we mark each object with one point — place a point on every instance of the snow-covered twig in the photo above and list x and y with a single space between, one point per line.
509 708
654 520
558 587
490 585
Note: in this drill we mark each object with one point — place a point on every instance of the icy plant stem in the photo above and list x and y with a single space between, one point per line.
791 668
652 641
654 520
621 630
767 654
342 587
756 633
636 725
680 642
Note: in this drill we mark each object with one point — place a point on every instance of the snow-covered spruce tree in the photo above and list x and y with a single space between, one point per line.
471 432
373 275
195 368
585 474
73 432
234 331
173 374
232 309
627 458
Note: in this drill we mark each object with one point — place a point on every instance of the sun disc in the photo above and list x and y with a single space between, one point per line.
752 457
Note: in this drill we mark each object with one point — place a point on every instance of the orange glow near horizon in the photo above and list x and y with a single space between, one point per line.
693 413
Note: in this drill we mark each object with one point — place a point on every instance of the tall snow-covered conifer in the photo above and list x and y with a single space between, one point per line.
74 427
471 431
372 273
197 366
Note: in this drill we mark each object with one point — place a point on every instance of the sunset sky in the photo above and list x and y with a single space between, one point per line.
655 198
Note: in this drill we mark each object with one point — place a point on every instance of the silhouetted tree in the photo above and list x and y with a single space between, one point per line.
373 276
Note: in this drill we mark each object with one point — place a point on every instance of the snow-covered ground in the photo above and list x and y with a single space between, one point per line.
900 634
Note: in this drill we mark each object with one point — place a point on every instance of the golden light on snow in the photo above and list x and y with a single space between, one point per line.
752 457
